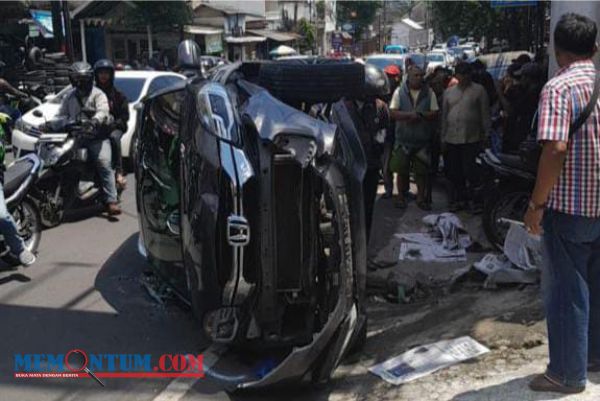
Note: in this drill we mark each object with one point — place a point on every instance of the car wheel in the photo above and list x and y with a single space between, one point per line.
312 80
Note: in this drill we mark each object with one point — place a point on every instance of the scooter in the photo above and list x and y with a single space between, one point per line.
69 181
19 180
509 183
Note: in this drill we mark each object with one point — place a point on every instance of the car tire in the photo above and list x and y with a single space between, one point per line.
312 80
61 81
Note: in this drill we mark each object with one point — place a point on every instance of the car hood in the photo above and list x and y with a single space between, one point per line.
49 110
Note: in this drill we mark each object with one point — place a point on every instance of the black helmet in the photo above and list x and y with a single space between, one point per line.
81 76
188 55
376 82
105 65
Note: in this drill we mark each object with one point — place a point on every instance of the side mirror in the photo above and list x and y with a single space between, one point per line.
49 98
138 106
38 114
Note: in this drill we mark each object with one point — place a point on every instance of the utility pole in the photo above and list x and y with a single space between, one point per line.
57 26
68 31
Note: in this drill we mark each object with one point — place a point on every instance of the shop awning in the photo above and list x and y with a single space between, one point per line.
202 30
412 24
274 35
244 39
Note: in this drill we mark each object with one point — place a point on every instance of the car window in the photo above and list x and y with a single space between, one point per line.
418 59
159 83
384 62
435 57
131 87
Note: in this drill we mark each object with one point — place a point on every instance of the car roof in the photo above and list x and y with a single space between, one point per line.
390 55
145 74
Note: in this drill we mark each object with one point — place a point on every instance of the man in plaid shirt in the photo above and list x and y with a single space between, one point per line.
566 202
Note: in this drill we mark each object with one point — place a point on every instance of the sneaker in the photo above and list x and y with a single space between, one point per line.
27 258
113 209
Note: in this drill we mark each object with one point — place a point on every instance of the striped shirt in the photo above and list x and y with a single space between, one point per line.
577 191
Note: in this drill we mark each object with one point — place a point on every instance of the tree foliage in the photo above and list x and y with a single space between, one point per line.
479 18
309 34
361 13
158 14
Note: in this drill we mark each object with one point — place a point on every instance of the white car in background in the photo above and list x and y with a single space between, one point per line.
438 59
134 84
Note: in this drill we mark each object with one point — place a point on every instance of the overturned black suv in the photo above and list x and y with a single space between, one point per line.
251 207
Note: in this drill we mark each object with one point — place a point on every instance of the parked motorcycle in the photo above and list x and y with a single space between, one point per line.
69 180
19 180
509 183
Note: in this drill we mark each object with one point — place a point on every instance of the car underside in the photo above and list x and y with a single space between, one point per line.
266 237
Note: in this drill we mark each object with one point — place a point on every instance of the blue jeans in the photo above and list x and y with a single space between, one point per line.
8 228
571 291
100 153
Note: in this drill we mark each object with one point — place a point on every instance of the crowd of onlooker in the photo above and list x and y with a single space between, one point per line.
445 119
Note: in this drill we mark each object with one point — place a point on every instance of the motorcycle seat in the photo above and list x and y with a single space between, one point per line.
15 175
513 161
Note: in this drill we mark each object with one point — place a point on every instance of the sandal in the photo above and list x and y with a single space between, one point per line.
121 182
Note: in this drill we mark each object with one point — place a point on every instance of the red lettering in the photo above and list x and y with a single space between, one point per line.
195 363
179 363
162 362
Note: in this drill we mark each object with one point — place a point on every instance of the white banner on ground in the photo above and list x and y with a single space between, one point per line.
426 359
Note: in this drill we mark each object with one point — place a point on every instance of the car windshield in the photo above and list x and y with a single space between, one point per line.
131 87
384 62
418 59
435 57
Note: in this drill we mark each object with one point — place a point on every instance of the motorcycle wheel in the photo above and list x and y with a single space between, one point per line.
29 226
510 204
51 216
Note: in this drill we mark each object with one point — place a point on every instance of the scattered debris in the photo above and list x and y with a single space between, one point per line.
449 227
523 249
424 360
428 248
158 290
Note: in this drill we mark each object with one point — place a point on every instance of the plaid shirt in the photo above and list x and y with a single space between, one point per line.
577 191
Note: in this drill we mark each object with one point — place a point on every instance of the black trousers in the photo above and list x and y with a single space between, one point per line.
462 170
115 144
370 184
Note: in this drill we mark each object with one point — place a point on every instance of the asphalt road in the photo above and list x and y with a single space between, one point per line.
85 293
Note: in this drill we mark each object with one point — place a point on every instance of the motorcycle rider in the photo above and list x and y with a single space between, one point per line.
104 75
8 228
84 95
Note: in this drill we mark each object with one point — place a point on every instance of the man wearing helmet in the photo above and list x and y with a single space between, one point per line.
104 74
82 96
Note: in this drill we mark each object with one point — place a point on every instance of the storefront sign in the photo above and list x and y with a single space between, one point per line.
214 43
